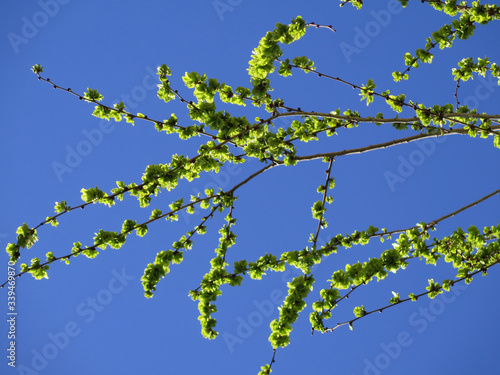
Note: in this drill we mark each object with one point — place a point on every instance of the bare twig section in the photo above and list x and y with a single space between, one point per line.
434 222
447 116
312 24
456 94
262 170
321 221
364 149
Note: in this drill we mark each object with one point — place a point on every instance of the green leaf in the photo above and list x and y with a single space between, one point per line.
92 95
37 69
359 311
60 207
496 140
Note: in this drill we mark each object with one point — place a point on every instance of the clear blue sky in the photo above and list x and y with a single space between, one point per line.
95 309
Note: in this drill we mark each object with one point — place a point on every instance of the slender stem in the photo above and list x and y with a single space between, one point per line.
456 94
434 222
327 184
448 116
312 24
350 322
377 146
131 115
262 170
389 233
273 358
93 247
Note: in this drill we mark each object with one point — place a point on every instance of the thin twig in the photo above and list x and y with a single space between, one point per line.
121 111
350 322
312 24
327 184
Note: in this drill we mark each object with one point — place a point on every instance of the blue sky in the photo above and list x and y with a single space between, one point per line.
92 316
